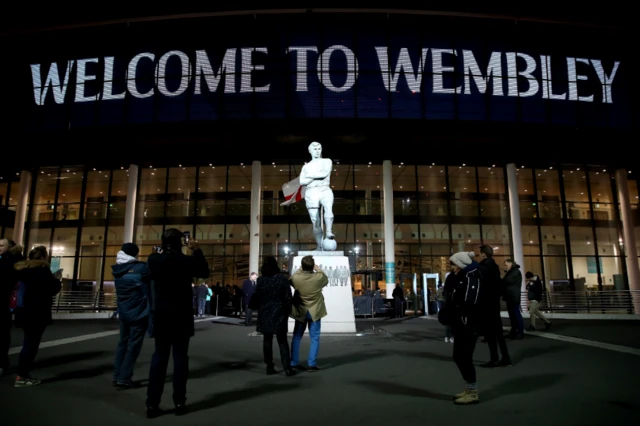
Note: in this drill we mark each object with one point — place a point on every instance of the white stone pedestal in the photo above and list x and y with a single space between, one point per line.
337 294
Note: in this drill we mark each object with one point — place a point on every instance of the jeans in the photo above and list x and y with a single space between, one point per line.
30 346
248 315
267 348
515 315
464 345
495 337
158 370
5 338
128 349
201 305
314 335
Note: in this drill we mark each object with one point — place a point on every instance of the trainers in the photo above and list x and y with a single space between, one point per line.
490 364
446 340
313 369
470 397
22 382
504 363
450 339
460 395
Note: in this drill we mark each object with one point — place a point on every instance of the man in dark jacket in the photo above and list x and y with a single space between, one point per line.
534 294
512 291
248 288
492 321
172 273
10 253
132 293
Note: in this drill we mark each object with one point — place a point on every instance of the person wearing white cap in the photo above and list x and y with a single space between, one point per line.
463 297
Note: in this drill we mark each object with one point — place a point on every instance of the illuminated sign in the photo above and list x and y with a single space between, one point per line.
336 68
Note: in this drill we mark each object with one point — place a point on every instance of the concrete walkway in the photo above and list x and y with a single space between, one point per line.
398 373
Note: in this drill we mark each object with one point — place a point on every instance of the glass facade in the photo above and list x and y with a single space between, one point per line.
570 218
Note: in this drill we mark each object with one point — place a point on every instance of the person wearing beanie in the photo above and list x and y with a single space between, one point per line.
172 273
132 279
463 292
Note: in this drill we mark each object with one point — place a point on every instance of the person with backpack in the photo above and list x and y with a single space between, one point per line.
463 290
534 294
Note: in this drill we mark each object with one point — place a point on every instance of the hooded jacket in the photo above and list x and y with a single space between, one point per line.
40 285
534 289
132 287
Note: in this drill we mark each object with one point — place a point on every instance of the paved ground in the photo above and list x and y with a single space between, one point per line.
402 374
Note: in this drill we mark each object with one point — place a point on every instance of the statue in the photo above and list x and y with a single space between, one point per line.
314 184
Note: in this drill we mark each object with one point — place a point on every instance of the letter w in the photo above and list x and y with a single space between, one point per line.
53 81
404 63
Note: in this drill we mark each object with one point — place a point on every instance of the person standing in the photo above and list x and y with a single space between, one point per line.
40 285
398 299
207 306
248 288
10 254
465 320
309 282
512 284
202 291
132 279
534 294
172 309
273 298
492 321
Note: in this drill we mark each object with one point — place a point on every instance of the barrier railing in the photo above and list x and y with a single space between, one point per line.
599 302
584 302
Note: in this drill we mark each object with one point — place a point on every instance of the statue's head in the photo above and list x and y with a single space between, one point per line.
315 149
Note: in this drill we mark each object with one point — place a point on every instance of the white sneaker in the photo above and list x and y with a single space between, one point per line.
451 340
446 340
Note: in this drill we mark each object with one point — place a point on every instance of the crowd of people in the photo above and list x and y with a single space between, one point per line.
470 307
157 298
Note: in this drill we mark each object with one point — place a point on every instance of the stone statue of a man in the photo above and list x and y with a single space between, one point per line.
316 175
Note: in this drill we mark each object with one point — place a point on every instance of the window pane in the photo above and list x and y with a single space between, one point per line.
548 186
97 186
553 241
239 203
432 192
581 241
70 185
368 189
273 177
462 182
46 186
600 181
530 241
555 268
119 185
575 185
92 241
465 237
212 191
64 241
152 182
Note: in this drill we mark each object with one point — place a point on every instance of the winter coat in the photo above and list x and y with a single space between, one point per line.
40 286
273 295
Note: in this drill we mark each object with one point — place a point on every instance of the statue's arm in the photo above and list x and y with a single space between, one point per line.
320 173
304 177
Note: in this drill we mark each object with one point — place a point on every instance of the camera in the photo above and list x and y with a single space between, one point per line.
157 249
187 236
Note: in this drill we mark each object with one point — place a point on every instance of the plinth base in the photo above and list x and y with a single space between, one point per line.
338 296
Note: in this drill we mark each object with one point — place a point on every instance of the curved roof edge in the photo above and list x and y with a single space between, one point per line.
176 16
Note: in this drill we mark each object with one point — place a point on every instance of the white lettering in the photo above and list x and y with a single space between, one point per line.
131 75
301 65
185 74
248 67
547 83
324 71
82 77
471 69
573 80
605 80
414 78
513 73
53 81
439 69
107 89
212 78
